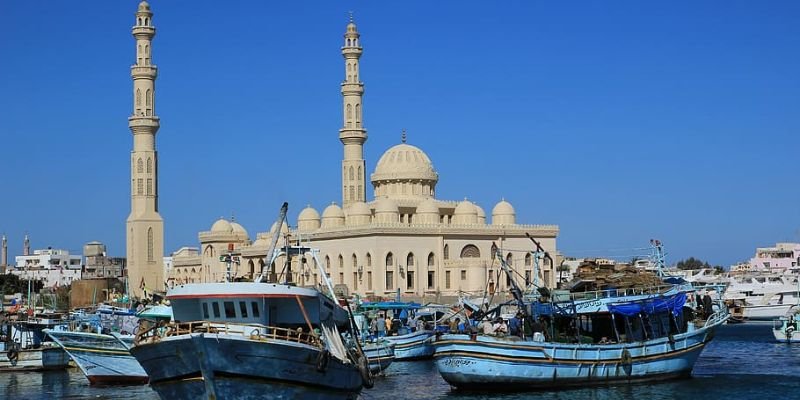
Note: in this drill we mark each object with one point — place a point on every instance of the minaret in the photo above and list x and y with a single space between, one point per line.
26 246
4 253
144 228
353 135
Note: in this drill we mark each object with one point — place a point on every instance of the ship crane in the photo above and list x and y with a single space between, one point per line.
275 235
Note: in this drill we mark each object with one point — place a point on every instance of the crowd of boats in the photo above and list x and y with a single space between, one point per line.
240 340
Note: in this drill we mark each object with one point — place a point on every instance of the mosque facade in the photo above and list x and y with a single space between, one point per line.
405 240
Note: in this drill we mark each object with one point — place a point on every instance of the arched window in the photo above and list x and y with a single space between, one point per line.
149 186
355 261
138 97
260 265
528 260
358 114
147 54
431 260
149 165
140 186
140 21
470 251
509 260
446 253
352 192
209 251
341 262
149 244
494 251
410 260
359 174
352 173
327 263
369 260
349 113
139 166
147 98
252 266
389 260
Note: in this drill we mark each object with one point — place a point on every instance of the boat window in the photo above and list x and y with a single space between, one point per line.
205 310
215 307
243 309
230 310
255 309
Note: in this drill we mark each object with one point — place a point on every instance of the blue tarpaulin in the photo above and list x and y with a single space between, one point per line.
673 304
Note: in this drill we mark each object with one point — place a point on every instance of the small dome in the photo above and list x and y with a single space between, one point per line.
386 205
358 208
333 211
503 214
222 226
238 228
428 206
144 6
404 161
481 214
308 214
261 241
503 208
465 208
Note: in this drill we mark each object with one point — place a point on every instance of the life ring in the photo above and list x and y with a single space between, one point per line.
322 360
626 357
254 334
366 376
13 355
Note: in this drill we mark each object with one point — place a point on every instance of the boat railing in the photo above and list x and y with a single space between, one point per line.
251 331
602 294
717 318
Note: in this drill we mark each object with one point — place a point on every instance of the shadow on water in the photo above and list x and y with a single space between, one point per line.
742 362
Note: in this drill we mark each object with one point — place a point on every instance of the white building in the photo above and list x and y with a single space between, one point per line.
53 267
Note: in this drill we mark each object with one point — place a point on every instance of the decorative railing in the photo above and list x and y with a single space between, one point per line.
717 318
251 331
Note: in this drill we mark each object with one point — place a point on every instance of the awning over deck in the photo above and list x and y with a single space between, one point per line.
672 304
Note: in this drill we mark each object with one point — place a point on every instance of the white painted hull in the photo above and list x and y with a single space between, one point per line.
765 312
41 359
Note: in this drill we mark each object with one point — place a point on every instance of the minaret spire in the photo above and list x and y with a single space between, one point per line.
145 227
26 246
353 135
4 251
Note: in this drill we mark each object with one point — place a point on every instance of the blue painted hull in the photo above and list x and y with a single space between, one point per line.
223 366
104 359
413 346
379 354
490 362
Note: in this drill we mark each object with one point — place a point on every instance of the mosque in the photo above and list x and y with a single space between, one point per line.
404 240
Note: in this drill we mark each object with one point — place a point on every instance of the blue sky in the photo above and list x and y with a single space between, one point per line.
619 121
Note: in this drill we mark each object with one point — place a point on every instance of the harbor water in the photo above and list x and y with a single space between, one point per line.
742 362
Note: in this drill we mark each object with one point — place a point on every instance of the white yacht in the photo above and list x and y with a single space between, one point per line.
764 297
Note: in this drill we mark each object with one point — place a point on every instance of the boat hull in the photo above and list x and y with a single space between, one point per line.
489 363
784 336
41 359
765 312
103 359
379 355
224 366
413 346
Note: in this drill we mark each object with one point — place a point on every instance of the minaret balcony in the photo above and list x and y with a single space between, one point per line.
143 32
350 52
144 71
141 122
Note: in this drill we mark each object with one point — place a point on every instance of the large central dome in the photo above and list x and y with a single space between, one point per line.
404 171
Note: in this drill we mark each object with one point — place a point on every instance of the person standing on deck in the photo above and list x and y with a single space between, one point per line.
380 325
388 323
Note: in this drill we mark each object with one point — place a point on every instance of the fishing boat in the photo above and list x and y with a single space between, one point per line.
245 340
589 338
409 342
24 345
787 328
104 359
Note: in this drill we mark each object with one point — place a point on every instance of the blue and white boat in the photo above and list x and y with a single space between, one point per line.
409 343
605 337
104 359
412 346
245 340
